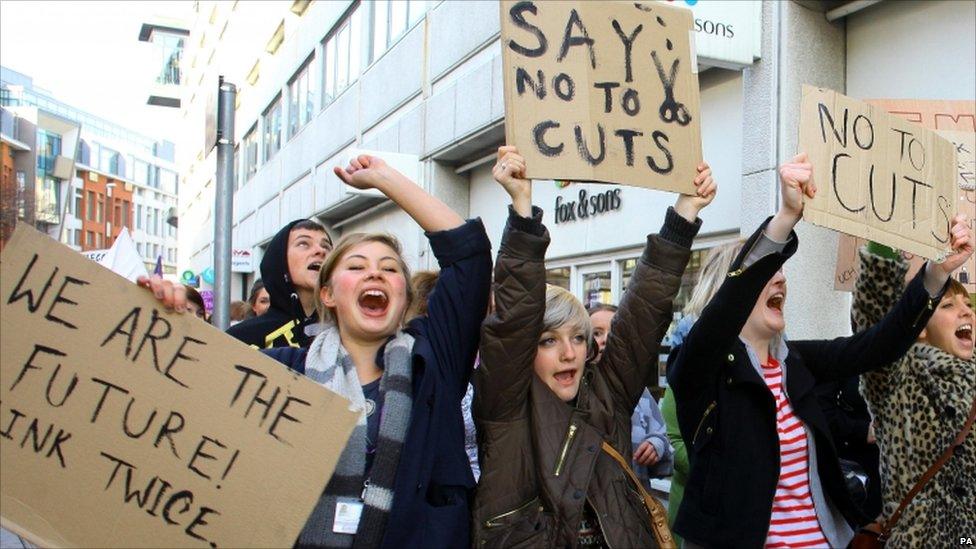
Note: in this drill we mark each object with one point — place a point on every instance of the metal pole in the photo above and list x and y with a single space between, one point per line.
223 203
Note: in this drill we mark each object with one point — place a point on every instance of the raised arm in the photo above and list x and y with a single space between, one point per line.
629 360
890 338
372 172
693 368
510 335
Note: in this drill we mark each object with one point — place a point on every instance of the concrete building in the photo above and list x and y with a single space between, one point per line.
421 82
82 178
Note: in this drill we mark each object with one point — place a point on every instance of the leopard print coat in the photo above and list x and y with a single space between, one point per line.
919 405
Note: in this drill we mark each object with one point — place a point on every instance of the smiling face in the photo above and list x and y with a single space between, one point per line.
767 320
559 360
307 249
367 291
951 326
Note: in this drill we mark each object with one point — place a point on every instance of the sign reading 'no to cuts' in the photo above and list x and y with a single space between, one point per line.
602 91
878 176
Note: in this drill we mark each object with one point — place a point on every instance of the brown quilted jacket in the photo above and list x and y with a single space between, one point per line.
540 457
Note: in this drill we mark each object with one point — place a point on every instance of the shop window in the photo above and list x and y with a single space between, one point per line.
558 277
596 288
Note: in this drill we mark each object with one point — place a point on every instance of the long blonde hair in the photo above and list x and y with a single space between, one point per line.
711 276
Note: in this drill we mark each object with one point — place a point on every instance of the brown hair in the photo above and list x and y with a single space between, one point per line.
346 243
422 284
239 310
958 288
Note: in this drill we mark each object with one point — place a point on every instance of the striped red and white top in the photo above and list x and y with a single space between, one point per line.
793 522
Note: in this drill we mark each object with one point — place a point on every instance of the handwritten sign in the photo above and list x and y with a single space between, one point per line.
879 177
602 91
956 121
124 425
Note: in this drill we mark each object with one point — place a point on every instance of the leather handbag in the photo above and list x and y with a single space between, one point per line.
659 516
875 534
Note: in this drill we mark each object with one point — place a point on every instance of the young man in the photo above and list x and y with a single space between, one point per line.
290 271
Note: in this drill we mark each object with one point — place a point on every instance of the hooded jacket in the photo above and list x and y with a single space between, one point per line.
283 325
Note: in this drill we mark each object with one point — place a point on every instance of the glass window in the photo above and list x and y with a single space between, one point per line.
167 180
139 216
140 172
391 20
301 99
272 129
558 277
627 268
91 239
79 202
342 57
251 153
596 288
125 213
90 210
99 209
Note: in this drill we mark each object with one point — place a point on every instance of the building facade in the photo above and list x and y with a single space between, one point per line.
420 82
82 178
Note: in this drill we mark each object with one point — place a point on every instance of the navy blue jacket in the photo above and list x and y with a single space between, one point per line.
434 483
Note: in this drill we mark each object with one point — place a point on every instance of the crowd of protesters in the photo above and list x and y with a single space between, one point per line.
497 411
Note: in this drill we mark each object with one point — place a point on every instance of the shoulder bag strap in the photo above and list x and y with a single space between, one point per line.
659 517
966 428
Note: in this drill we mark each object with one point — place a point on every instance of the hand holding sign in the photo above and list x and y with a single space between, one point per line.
796 182
688 205
509 172
961 242
602 91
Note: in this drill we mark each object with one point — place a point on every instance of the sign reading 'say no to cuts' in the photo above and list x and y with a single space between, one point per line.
602 91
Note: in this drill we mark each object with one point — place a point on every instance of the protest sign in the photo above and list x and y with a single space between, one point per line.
955 121
124 425
878 176
122 258
602 91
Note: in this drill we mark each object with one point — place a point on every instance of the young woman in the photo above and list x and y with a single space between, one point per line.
919 404
712 274
404 466
763 468
543 412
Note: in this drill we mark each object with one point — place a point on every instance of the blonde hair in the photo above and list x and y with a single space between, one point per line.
346 243
711 276
563 308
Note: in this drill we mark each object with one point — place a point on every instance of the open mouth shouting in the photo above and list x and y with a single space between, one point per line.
566 378
315 266
776 301
373 302
964 333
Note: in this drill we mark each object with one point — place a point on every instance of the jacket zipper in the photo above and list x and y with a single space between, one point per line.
701 422
570 435
928 307
603 531
493 521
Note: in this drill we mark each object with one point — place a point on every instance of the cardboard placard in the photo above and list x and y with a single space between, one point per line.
878 176
956 121
602 91
124 425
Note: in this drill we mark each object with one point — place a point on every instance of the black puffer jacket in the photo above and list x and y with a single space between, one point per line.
283 325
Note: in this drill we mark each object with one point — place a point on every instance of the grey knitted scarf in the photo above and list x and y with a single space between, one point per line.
328 364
